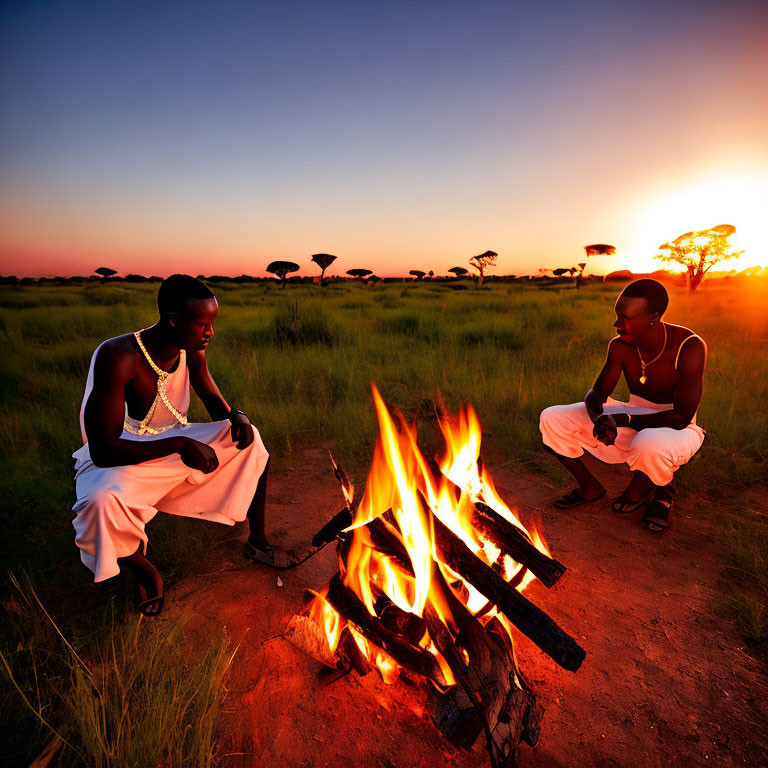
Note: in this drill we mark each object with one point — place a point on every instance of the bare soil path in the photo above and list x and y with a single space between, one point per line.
664 683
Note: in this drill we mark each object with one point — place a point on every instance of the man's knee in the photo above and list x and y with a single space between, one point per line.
653 456
103 502
563 419
550 417
649 444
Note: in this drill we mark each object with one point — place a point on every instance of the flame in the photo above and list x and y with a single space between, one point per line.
325 616
402 484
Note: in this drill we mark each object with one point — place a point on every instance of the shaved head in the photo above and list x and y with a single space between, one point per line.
176 289
652 291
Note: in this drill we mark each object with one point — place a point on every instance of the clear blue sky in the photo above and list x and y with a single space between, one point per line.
214 137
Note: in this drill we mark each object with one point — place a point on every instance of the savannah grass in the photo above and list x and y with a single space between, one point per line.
135 698
300 362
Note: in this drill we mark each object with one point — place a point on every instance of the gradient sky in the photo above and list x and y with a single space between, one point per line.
156 137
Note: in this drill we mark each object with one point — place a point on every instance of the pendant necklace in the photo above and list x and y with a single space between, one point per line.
643 364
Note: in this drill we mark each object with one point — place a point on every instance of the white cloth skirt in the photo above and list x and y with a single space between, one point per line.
657 452
114 504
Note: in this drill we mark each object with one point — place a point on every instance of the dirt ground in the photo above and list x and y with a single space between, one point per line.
664 683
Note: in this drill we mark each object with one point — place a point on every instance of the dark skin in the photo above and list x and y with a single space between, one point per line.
640 329
123 377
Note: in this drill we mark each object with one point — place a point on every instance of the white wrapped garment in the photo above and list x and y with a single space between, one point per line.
114 504
658 452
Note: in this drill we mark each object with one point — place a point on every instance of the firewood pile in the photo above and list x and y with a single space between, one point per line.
432 568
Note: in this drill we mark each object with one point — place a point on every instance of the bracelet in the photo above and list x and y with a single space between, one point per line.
234 412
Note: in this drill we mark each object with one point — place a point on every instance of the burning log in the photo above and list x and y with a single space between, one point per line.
489 696
526 616
350 653
513 542
506 536
350 607
333 527
530 620
389 545
402 623
459 636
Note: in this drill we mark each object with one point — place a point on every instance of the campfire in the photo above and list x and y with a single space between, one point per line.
432 569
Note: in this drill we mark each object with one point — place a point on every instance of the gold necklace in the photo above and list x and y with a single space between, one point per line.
162 377
643 364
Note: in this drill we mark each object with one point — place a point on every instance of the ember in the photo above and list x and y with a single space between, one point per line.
432 567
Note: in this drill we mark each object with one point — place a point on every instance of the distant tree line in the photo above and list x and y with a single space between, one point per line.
696 251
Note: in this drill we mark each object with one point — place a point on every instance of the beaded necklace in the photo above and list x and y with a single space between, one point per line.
643 364
162 378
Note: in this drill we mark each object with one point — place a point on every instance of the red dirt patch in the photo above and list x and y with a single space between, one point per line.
663 682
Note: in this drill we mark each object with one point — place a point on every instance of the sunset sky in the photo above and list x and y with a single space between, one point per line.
156 137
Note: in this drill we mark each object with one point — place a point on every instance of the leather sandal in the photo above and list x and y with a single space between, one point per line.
574 498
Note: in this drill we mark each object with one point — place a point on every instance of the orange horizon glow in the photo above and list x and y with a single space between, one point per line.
662 213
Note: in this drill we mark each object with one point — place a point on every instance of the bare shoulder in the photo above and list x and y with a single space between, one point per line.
117 357
679 334
692 355
618 349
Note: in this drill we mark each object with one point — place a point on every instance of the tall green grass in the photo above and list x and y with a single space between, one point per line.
136 698
300 361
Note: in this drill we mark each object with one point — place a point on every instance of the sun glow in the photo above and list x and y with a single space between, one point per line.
738 198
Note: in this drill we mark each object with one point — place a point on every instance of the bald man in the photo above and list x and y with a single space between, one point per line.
140 454
655 433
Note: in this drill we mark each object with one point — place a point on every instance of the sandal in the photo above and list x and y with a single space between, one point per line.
574 498
280 560
620 504
147 606
656 517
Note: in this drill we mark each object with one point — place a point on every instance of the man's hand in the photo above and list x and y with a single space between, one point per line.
605 429
242 431
198 455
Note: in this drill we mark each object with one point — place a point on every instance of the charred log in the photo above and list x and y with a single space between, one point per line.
350 654
488 697
333 528
351 608
529 619
513 542
407 625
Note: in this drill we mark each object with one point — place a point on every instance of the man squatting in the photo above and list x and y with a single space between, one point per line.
141 455
655 433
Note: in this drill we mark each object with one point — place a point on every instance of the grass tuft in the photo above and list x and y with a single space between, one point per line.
138 697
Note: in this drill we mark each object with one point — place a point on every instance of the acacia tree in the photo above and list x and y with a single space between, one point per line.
581 265
418 274
323 260
105 272
359 274
459 271
481 263
699 251
599 249
281 269
560 271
